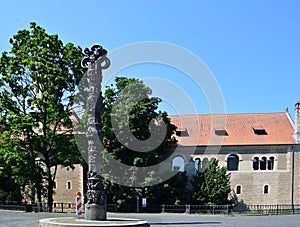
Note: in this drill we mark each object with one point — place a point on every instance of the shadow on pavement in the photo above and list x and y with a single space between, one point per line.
185 223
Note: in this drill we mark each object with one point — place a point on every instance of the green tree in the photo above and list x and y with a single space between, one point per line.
172 191
38 81
131 111
212 186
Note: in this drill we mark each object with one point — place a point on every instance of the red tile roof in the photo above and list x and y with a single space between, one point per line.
271 128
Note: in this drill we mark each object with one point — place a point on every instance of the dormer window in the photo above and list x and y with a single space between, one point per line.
221 132
259 130
182 132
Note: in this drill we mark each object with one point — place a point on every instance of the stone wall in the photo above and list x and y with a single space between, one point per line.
68 182
253 182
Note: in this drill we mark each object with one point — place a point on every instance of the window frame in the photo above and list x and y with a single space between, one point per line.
236 163
238 189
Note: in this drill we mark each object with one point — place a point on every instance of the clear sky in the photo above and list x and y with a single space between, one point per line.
252 47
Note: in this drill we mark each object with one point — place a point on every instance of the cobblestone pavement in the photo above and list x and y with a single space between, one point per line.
23 219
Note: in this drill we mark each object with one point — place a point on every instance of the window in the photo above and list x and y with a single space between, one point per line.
54 185
69 185
232 162
197 164
270 163
182 132
221 132
259 130
263 163
266 189
238 189
255 161
205 163
178 164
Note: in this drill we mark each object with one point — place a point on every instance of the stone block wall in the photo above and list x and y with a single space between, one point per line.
67 183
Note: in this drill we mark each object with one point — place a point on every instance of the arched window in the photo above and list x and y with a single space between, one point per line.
232 162
270 163
178 164
197 164
266 189
255 161
205 163
263 163
238 189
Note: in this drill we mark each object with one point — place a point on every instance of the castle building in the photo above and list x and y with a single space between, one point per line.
260 151
67 183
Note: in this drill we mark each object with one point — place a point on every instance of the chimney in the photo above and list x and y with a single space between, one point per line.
297 122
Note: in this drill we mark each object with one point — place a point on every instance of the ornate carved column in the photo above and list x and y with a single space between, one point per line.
96 60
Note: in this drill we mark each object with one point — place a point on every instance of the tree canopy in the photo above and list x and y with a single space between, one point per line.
212 185
38 81
131 113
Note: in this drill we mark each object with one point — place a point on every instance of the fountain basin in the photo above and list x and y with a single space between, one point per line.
75 222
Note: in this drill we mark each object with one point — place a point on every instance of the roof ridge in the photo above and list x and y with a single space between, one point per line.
224 114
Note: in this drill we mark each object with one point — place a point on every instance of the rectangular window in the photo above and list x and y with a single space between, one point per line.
182 132
221 132
69 185
238 189
259 130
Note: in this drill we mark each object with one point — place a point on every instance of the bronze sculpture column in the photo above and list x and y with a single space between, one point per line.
95 61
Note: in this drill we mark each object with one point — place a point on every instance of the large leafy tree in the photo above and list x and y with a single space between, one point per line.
129 112
172 191
129 106
38 80
212 185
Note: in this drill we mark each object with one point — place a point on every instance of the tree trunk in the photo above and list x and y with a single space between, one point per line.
39 195
50 192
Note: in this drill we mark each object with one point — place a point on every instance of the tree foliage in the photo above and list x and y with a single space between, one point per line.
130 111
212 186
130 106
38 80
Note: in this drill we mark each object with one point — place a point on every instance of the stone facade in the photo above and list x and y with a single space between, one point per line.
265 149
268 186
266 164
68 182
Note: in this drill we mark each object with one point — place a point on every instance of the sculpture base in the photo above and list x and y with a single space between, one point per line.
95 212
73 222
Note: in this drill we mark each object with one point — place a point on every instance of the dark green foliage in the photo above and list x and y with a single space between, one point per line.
212 186
172 191
38 80
129 105
130 111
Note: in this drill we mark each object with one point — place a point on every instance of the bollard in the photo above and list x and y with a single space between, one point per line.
78 205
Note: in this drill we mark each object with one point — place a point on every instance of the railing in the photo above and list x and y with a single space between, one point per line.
62 207
12 205
58 207
268 209
192 209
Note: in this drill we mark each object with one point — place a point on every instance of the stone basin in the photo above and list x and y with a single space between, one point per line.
75 222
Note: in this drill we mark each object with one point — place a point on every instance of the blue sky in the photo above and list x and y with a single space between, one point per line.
252 47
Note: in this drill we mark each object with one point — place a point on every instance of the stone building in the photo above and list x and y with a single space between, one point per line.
260 151
67 183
